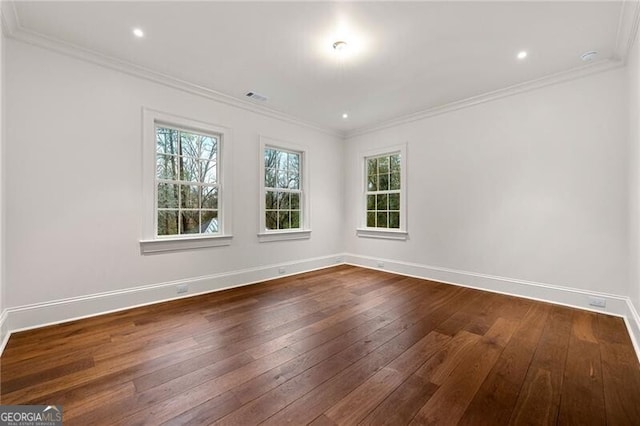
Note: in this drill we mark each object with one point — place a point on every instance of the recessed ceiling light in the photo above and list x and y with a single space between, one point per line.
345 115
522 54
589 56
138 32
340 46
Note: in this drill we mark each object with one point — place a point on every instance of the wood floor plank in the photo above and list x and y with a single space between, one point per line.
494 402
449 402
582 399
401 406
539 397
621 381
355 406
342 345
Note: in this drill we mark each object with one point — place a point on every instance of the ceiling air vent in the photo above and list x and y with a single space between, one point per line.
256 96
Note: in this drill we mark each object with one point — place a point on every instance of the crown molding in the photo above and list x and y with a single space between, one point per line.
69 49
563 76
9 17
627 29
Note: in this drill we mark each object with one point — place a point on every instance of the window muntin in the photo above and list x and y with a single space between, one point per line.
383 191
282 189
187 186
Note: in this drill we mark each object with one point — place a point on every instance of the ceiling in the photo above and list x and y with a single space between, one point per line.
401 58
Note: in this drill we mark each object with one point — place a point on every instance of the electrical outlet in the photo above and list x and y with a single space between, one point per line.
599 302
281 270
182 288
380 264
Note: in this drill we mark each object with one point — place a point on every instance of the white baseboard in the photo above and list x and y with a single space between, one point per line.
632 319
617 305
42 314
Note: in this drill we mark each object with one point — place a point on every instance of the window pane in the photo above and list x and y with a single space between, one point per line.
167 222
270 158
294 180
394 220
382 202
372 184
167 196
283 220
394 201
372 166
207 147
189 169
383 181
166 167
190 196
283 201
271 219
270 178
295 219
381 220
271 200
190 222
282 180
395 181
294 163
209 223
166 141
189 144
383 165
371 219
209 197
394 163
208 172
283 160
371 202
295 201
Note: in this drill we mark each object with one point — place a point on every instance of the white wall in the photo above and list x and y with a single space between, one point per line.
633 78
74 201
528 187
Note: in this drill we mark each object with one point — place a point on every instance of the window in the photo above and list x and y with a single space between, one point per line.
383 191
284 193
183 165
186 182
384 201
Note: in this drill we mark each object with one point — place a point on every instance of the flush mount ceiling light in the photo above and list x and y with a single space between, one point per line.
589 56
345 115
138 32
340 46
522 54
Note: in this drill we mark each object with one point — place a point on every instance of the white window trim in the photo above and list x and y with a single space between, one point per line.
383 233
304 232
150 242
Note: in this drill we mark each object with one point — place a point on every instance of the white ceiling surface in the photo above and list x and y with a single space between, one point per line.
402 58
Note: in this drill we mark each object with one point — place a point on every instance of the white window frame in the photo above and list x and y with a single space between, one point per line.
150 241
304 232
384 233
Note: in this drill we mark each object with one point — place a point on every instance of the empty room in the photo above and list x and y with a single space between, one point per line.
327 213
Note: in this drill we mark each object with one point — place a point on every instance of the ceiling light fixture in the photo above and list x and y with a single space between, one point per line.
345 115
522 54
589 56
340 46
138 32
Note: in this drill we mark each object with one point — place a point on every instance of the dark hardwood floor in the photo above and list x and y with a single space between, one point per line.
343 345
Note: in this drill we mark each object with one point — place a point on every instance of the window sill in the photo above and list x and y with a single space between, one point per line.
188 243
385 234
265 237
